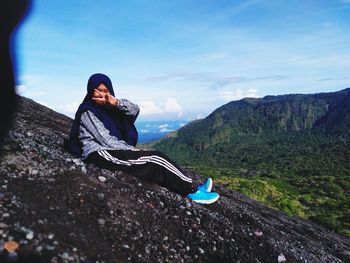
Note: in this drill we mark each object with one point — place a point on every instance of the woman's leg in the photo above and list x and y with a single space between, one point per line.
151 166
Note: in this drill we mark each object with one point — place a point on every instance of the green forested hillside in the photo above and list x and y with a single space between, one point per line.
290 152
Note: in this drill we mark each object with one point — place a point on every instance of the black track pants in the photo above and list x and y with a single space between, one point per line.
151 166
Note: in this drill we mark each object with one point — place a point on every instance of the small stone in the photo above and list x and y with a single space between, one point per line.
48 247
188 213
258 233
51 236
77 161
23 242
165 238
201 251
125 246
3 225
102 179
30 235
187 248
11 246
39 249
101 221
281 258
83 169
101 195
65 256
5 215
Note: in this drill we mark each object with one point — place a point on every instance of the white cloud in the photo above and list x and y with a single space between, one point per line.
35 94
251 93
213 80
163 126
165 130
319 61
172 106
20 89
68 109
197 117
24 91
215 56
148 107
231 95
145 131
237 94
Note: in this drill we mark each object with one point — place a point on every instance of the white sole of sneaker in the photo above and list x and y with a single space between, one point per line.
210 185
206 202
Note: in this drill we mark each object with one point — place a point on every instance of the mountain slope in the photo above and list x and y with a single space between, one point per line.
337 119
57 210
298 144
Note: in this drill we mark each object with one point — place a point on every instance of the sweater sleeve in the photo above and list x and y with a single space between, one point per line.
131 110
128 107
92 130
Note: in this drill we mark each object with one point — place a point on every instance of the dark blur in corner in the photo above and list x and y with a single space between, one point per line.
12 13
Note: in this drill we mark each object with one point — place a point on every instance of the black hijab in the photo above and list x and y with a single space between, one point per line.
117 122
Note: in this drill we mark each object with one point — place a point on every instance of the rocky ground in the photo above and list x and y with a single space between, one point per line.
58 209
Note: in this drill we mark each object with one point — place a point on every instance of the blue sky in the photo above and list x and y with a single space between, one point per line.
182 59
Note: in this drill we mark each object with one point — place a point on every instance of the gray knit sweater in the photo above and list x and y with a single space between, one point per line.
95 137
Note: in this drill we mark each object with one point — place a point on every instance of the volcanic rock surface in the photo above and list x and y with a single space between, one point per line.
59 209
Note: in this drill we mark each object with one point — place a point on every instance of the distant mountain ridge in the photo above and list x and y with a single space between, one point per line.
325 112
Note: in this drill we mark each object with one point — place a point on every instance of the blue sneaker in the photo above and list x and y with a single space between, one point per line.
206 186
204 197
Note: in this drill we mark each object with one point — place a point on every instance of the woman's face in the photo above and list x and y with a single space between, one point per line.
102 93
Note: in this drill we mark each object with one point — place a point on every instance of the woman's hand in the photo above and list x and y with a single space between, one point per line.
102 98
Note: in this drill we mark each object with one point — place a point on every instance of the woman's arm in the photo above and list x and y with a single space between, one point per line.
128 107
